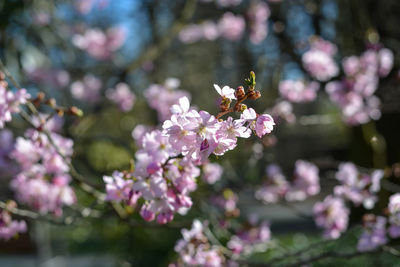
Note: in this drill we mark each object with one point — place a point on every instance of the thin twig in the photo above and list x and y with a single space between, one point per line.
31 215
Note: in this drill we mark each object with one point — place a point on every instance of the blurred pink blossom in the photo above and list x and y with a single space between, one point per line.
231 26
332 215
318 60
99 44
88 89
258 15
298 91
122 96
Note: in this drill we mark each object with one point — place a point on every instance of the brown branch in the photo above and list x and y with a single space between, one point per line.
31 215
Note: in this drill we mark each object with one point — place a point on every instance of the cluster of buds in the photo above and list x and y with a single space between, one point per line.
52 103
240 95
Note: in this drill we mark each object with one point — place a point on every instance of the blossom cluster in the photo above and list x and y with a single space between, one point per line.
88 89
375 228
319 60
332 215
298 91
212 172
227 203
122 96
358 187
229 26
355 93
194 248
49 77
43 180
10 228
283 111
167 162
253 237
10 103
394 215
305 183
374 234
258 15
100 44
162 96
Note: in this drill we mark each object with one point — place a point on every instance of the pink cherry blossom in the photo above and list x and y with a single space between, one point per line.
298 91
274 187
354 94
319 62
10 228
43 181
231 26
305 183
87 89
10 103
194 249
332 215
250 239
49 77
258 15
99 44
264 125
374 234
212 172
225 92
394 215
163 97
283 111
358 187
122 96
117 187
192 33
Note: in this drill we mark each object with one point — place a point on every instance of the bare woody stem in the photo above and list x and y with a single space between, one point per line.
31 215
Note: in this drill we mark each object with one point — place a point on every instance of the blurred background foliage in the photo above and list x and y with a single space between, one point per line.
103 139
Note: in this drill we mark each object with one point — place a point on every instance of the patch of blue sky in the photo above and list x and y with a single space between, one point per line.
299 25
329 9
291 71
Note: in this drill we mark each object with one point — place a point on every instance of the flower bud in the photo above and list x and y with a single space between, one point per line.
251 81
253 95
40 97
51 102
225 104
60 112
240 93
240 107
76 111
